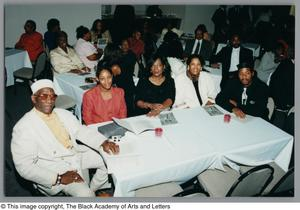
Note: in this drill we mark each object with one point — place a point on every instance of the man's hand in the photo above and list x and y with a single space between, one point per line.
70 177
110 147
239 113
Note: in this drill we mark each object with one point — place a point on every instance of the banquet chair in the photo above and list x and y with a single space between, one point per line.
65 102
285 186
30 74
230 183
190 188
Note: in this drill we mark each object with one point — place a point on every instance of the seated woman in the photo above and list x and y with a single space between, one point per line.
103 102
98 32
87 52
64 59
156 92
194 87
31 41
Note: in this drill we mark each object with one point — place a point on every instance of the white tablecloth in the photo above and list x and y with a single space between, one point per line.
69 84
251 46
197 142
14 60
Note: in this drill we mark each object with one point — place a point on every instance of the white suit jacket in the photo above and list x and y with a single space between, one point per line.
186 95
38 156
63 62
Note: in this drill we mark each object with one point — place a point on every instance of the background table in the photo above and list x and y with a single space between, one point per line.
199 141
14 60
69 84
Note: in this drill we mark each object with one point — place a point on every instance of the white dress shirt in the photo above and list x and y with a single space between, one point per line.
195 45
235 59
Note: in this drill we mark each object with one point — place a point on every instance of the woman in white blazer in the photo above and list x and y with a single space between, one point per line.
194 87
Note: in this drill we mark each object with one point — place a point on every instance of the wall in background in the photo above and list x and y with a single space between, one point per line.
70 16
73 15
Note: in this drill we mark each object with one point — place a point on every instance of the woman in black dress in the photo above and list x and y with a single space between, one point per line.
156 92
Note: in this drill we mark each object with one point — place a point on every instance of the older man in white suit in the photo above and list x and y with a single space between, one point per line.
45 151
194 87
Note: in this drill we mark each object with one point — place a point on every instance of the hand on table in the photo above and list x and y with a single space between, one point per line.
153 113
239 113
110 147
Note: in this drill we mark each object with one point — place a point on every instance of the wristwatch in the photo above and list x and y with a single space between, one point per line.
58 180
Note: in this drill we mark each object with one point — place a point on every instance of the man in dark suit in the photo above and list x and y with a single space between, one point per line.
198 46
230 56
245 95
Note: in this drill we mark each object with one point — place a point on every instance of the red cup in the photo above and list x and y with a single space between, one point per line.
227 118
158 132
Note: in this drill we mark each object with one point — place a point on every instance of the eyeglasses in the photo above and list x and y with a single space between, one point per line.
44 97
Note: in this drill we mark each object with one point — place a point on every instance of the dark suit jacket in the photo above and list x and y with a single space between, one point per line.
205 51
257 94
224 57
282 85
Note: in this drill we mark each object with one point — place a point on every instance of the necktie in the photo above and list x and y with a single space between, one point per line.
244 97
197 48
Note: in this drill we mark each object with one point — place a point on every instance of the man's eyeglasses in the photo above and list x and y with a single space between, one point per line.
44 97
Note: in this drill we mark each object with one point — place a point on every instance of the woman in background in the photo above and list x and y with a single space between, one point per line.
156 92
98 32
103 102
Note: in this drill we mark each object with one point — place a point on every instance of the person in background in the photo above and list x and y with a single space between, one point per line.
64 58
87 52
266 65
50 36
45 150
230 56
198 45
282 83
103 102
156 92
136 44
128 58
206 35
98 32
245 94
219 18
122 74
194 87
31 41
171 46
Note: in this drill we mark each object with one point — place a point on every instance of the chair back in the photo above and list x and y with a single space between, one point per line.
253 182
285 186
270 106
39 65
